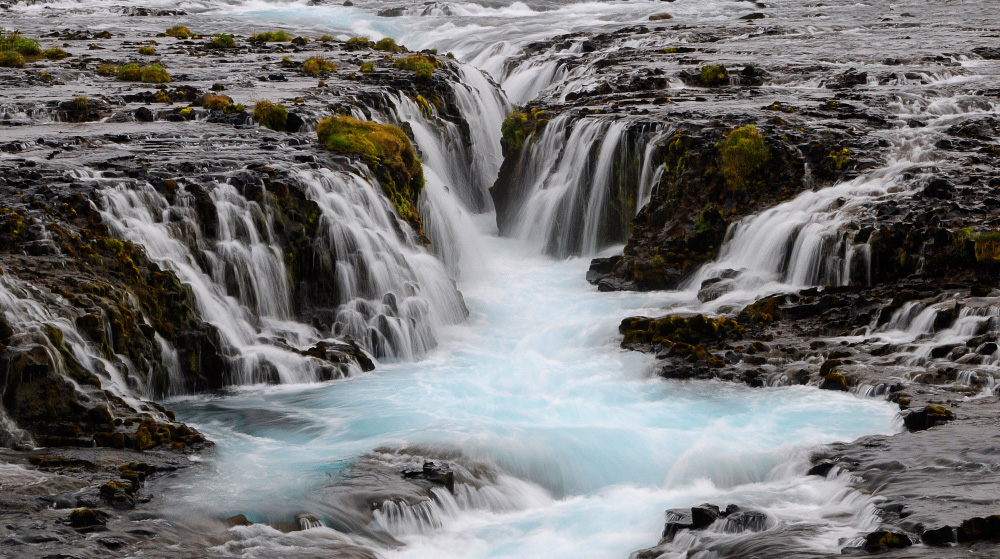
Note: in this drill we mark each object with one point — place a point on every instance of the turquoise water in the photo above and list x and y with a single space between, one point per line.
591 447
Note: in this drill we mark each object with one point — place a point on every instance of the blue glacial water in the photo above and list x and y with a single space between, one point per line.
590 446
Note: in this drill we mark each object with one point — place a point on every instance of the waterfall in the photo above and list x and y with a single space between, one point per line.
810 239
577 185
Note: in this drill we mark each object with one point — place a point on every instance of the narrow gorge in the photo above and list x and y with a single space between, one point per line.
681 279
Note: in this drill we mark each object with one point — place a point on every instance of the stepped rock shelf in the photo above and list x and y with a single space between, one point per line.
196 203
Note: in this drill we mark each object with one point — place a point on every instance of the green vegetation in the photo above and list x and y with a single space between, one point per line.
518 127
107 70
387 45
358 43
271 37
55 54
367 67
325 38
178 31
15 42
423 66
270 115
742 155
685 336
387 151
154 73
838 159
11 59
224 41
147 51
81 103
988 247
712 76
960 238
316 65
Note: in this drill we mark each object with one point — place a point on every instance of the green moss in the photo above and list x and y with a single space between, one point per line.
15 42
656 261
387 45
154 73
423 66
218 103
518 127
961 238
270 115
163 97
939 413
55 54
224 41
325 39
178 31
387 151
11 59
358 43
81 103
988 247
713 76
367 67
316 65
742 156
107 70
696 330
838 159
147 51
834 381
271 37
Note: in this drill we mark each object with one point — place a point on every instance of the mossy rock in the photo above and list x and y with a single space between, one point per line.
85 518
834 381
694 331
883 540
518 128
743 156
388 153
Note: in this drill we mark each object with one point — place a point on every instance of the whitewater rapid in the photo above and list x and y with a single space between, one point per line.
589 445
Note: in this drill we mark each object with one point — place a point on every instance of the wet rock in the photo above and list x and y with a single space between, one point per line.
143 114
881 541
979 529
238 520
676 520
660 17
821 469
704 515
433 473
86 518
939 537
940 189
739 521
834 381
928 417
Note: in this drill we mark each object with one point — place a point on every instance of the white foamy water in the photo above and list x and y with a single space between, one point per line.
591 448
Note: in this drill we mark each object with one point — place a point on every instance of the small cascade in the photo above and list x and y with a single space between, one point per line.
170 234
400 519
813 239
27 311
392 295
578 185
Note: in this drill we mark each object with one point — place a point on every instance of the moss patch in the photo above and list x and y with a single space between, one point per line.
518 127
271 37
742 156
423 66
270 115
714 76
178 31
388 153
316 65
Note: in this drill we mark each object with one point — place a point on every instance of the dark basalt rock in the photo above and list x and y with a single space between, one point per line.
878 542
939 537
433 473
926 418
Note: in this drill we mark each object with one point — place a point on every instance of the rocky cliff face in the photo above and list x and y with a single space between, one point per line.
153 250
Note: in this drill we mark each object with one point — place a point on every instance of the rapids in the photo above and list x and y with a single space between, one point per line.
589 448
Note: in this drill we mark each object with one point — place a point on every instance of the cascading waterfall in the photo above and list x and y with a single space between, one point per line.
572 195
809 240
393 295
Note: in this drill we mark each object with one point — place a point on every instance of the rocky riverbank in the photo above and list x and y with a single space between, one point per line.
907 300
97 323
